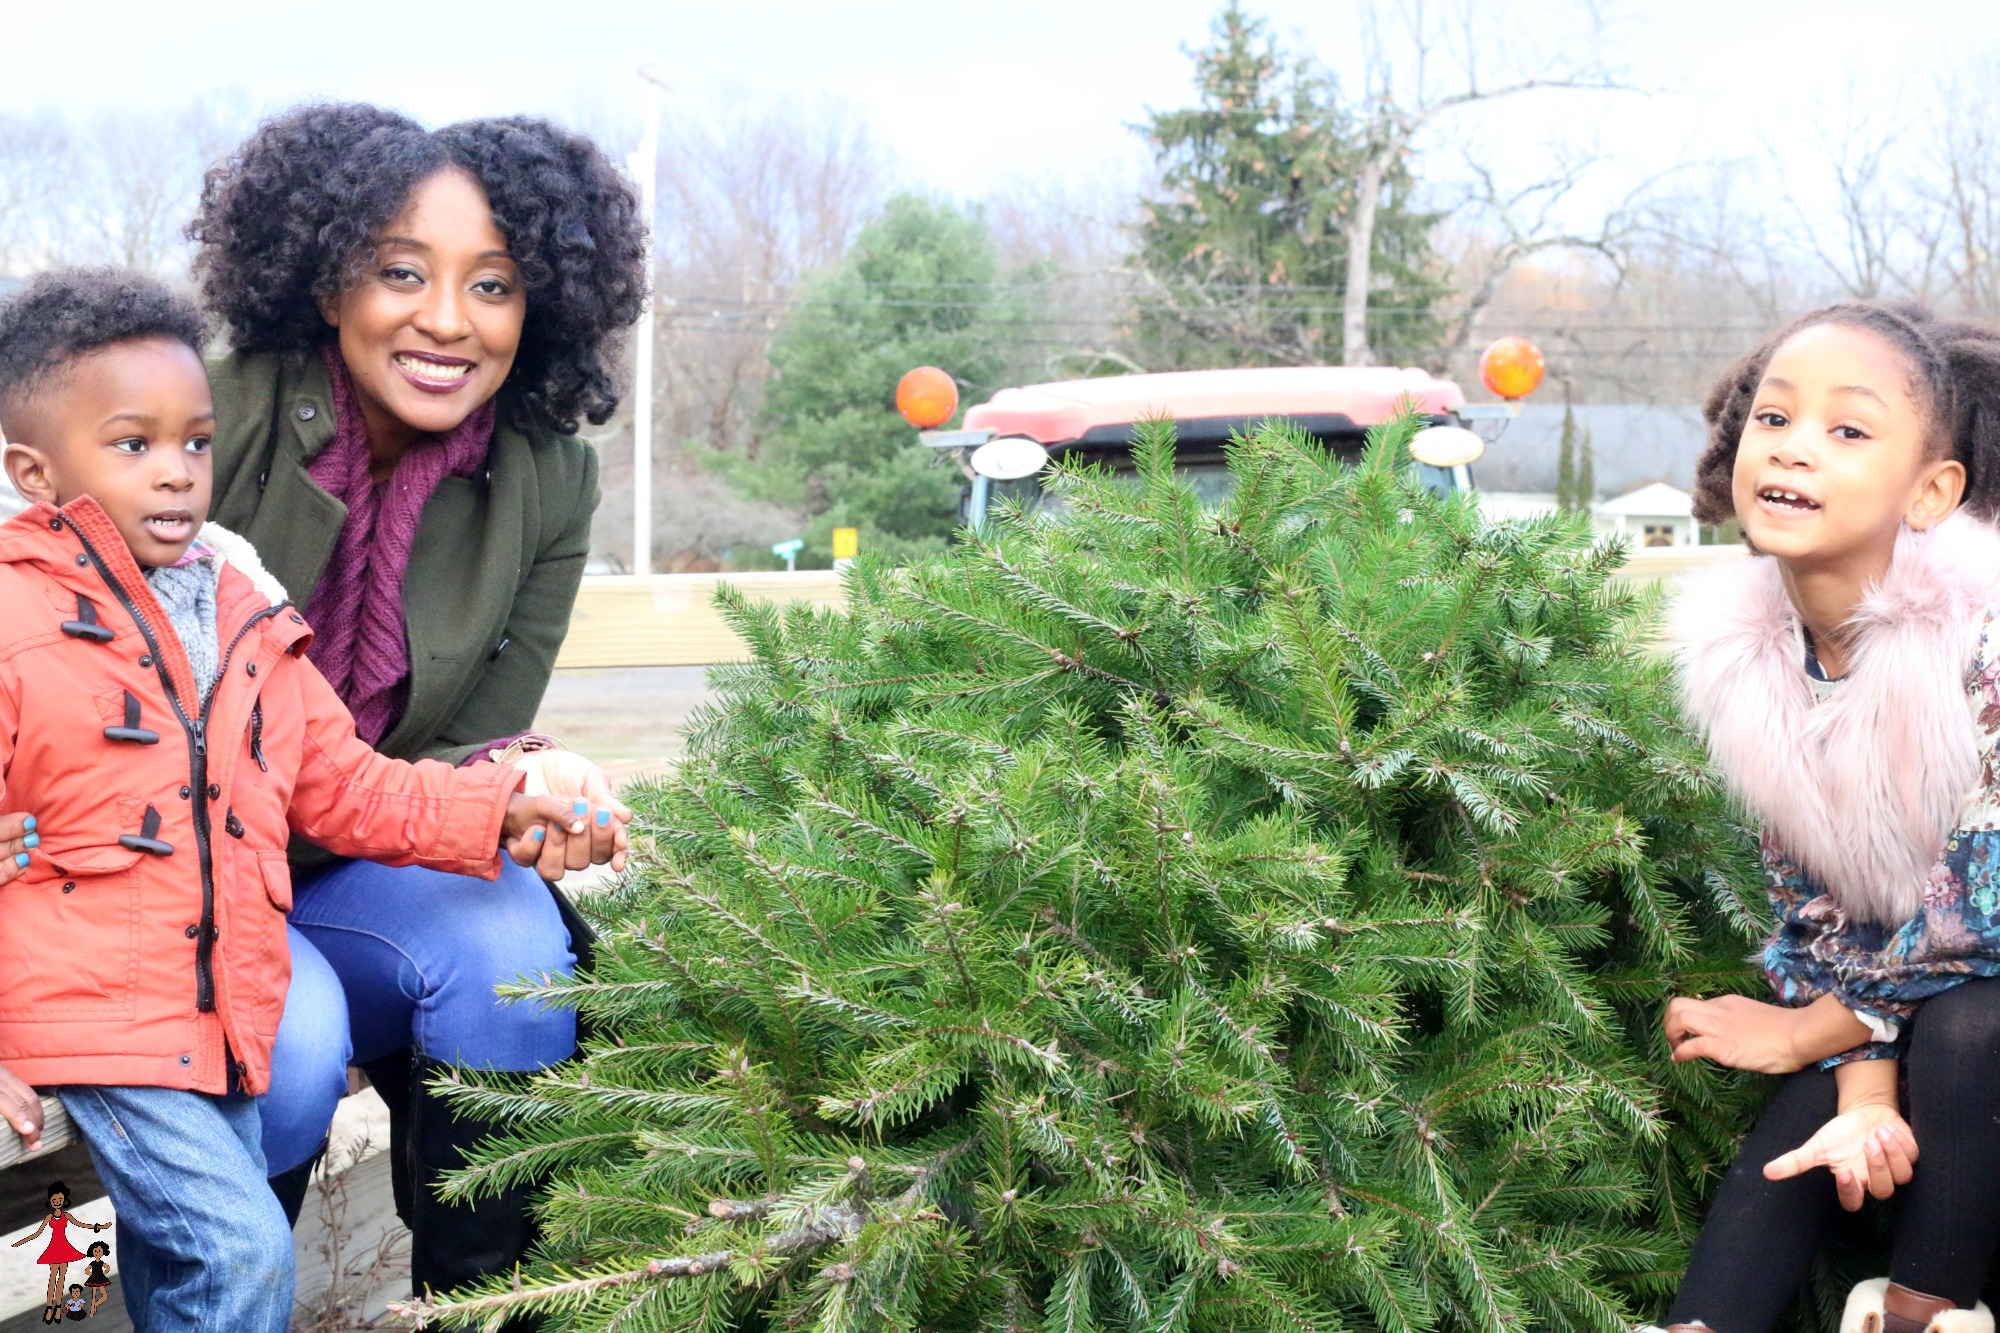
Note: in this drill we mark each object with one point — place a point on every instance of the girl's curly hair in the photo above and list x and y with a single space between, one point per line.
290 219
1954 376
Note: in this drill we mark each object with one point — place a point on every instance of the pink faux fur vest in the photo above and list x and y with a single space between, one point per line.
1865 789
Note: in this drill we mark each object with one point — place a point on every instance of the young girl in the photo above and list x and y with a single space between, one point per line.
1848 683
60 1253
97 1277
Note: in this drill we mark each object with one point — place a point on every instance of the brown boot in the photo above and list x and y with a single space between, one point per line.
1880 1306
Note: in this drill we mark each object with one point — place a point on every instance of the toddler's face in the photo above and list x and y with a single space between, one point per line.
129 426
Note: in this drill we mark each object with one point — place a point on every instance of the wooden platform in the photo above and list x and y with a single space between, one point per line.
670 620
662 620
57 1133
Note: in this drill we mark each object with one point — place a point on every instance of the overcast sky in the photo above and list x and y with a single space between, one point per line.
970 96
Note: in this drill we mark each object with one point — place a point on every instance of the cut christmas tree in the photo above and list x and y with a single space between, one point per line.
1152 916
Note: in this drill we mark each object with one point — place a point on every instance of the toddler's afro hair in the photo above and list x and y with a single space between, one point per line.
63 316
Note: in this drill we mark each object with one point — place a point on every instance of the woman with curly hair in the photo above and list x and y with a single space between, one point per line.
418 321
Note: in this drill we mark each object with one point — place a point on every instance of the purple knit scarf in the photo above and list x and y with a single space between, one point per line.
359 643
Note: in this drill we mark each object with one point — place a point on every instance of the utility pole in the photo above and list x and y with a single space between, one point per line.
644 164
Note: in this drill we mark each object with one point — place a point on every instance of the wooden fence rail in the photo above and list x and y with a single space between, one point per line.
57 1132
670 619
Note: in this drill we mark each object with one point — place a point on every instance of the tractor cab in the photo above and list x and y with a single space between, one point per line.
1005 443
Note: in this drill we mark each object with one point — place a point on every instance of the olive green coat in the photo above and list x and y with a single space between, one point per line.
493 573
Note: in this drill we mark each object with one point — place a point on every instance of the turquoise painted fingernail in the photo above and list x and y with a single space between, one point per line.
583 807
32 840
21 860
603 818
536 834
29 821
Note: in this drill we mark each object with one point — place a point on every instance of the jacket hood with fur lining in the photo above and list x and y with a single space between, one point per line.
1865 788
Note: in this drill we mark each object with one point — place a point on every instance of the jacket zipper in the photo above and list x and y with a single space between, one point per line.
197 736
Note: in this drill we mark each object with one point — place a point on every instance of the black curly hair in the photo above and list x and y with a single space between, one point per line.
290 220
1954 376
63 316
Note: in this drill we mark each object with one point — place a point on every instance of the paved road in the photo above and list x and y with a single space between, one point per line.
628 720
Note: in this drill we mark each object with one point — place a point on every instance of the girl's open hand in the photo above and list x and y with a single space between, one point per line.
1870 1150
21 1106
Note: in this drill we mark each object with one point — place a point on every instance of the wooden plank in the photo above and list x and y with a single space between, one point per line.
625 620
57 1131
1662 564
667 620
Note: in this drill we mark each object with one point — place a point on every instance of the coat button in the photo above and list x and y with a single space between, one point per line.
69 886
187 1059
193 932
55 525
81 559
186 791
298 619
215 791
252 668
306 412
145 659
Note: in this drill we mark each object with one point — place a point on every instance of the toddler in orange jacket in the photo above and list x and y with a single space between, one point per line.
165 734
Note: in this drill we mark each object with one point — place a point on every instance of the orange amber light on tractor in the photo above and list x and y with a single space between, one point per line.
926 397
1511 368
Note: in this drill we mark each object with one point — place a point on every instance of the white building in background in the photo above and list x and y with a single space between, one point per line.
1501 506
1651 516
1655 515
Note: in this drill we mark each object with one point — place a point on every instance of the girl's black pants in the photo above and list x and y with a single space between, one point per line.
1758 1244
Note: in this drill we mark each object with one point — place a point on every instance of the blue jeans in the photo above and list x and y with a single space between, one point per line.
201 1242
384 959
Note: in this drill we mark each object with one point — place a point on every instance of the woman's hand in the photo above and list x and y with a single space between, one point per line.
17 839
1870 1150
22 1107
567 774
1736 1031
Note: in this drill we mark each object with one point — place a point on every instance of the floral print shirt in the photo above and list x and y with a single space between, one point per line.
1884 973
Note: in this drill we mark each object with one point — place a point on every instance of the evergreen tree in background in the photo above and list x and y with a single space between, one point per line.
921 286
1157 918
1566 463
1242 249
1576 467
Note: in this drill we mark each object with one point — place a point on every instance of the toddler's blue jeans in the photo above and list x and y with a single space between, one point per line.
201 1245
387 958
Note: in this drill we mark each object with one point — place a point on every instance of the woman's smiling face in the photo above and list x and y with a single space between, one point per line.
430 331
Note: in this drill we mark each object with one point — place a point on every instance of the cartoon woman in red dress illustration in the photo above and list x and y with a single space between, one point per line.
60 1254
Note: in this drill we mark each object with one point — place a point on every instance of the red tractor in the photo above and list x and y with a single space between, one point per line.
1004 444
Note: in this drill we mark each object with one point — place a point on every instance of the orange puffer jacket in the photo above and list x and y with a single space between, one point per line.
145 943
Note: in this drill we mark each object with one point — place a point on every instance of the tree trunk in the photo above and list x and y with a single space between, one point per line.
1360 256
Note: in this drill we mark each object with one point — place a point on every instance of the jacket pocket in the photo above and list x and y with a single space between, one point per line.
69 945
261 958
95 851
91 858
277 874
